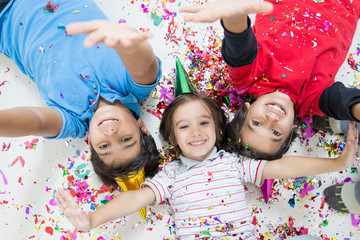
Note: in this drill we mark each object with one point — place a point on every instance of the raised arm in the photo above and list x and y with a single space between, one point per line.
123 204
23 121
233 12
289 167
131 45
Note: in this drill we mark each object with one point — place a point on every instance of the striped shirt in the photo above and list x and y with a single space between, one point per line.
208 197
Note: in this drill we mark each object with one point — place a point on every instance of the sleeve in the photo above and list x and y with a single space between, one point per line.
71 125
336 100
239 49
161 184
142 92
251 170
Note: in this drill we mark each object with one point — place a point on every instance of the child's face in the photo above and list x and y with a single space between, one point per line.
194 130
268 123
114 134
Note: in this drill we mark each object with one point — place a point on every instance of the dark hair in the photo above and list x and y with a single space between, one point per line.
148 158
166 128
232 140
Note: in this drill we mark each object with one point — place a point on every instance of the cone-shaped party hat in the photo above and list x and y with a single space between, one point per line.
182 80
133 183
266 189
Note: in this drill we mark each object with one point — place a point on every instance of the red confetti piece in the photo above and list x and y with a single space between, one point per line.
31 145
49 230
22 161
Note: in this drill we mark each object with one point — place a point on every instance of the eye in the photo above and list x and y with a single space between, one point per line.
183 127
276 133
126 139
256 123
103 146
204 123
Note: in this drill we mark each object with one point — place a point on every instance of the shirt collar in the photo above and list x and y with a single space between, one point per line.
188 163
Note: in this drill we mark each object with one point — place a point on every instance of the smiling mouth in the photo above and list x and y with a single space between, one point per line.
106 121
277 108
197 143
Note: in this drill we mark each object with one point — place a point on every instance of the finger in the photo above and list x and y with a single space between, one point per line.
58 203
190 9
261 7
81 27
94 38
201 17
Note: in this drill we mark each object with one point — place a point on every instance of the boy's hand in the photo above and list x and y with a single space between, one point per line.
72 211
225 9
114 35
348 155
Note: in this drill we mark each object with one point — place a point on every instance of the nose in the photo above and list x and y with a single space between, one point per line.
110 131
195 131
272 116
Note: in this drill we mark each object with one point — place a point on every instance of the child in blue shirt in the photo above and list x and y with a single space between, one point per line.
96 88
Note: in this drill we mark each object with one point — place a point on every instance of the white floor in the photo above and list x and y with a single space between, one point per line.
26 192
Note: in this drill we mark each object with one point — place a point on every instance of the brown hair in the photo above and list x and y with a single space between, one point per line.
148 158
232 140
166 128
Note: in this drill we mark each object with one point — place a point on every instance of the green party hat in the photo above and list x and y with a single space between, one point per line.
183 83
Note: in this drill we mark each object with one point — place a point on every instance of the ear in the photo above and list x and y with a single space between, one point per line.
295 126
172 142
247 104
142 126
87 140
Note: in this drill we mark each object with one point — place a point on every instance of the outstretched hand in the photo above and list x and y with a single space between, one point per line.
72 210
225 9
348 155
114 35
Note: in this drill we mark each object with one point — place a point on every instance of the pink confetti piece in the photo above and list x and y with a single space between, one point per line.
355 222
32 144
52 202
22 161
72 235
4 178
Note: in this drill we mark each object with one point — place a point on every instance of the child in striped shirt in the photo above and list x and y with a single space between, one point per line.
205 187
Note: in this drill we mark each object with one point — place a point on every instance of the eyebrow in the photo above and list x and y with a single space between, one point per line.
272 138
202 116
126 147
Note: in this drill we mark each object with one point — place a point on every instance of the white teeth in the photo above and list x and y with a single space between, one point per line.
276 107
107 121
197 143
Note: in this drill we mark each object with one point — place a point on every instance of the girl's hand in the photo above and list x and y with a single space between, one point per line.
348 155
225 9
114 35
72 211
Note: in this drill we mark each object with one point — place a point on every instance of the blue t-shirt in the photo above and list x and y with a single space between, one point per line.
70 77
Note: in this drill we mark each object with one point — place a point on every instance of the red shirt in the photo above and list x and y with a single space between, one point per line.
301 46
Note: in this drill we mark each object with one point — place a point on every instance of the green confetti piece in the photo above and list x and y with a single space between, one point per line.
272 18
80 173
61 26
325 223
157 19
103 202
247 146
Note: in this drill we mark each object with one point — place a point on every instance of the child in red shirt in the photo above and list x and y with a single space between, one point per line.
287 62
